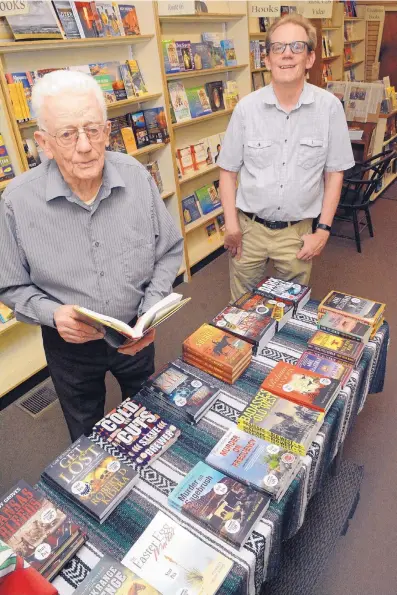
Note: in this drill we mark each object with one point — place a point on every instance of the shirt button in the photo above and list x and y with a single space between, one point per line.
284 163
107 302
97 244
102 273
285 140
281 186
278 208
287 117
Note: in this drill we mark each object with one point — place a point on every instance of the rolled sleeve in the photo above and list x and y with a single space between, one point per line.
340 154
231 156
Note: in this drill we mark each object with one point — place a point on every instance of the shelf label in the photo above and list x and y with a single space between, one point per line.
264 9
317 9
11 7
375 13
169 8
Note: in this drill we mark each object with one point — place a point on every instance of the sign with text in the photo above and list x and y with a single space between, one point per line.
374 13
264 9
12 7
317 9
170 7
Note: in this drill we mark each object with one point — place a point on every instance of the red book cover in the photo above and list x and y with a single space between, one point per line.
301 386
249 325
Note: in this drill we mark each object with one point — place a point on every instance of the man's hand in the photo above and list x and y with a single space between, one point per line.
313 244
233 240
71 328
132 347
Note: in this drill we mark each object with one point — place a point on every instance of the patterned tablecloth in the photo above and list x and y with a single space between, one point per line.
259 558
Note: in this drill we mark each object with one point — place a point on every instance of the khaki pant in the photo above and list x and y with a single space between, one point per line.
259 245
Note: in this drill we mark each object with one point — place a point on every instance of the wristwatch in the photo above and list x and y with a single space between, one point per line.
323 226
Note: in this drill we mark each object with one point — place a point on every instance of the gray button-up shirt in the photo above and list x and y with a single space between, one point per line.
282 156
117 256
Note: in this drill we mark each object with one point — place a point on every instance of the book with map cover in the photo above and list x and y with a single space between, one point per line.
281 422
220 503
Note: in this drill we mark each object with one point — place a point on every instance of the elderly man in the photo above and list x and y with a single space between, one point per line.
289 141
86 227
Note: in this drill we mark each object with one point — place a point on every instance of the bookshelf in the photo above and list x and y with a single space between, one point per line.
386 127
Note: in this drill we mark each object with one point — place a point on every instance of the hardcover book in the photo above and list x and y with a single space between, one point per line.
66 18
199 103
360 309
227 46
137 79
281 422
40 22
91 478
257 329
201 55
190 209
185 57
302 386
179 101
279 311
129 19
109 576
208 198
215 94
291 293
223 505
170 54
325 366
343 349
136 432
258 463
174 561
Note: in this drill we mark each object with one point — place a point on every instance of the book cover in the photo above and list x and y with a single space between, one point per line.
227 46
138 124
199 103
217 55
201 55
26 78
5 313
116 140
251 326
289 292
301 386
137 79
207 149
66 18
343 326
215 143
345 349
170 55
361 309
325 366
185 159
162 122
33 527
185 392
109 576
258 463
125 74
6 169
219 346
163 556
179 101
91 477
112 70
39 22
153 169
190 209
107 12
106 84
253 302
281 422
215 94
88 18
31 152
185 57
153 125
129 19
136 432
208 198
223 505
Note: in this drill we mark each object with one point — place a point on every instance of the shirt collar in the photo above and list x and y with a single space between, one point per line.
269 96
56 185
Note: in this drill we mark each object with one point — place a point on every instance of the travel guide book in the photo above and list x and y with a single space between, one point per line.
257 329
181 391
35 529
111 577
185 57
91 478
291 293
281 422
326 366
220 503
360 309
208 198
190 209
346 350
136 432
277 310
258 463
117 332
66 17
174 561
179 101
199 102
302 386
344 326
39 22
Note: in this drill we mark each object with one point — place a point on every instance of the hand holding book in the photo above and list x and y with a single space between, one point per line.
72 328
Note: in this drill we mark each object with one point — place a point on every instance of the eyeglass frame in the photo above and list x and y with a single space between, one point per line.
77 130
289 45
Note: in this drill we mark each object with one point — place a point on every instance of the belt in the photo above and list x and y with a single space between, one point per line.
270 224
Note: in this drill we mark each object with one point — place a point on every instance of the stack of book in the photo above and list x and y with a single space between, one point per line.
211 52
217 352
257 54
292 294
136 130
91 478
276 309
355 315
35 529
194 102
136 433
220 503
200 155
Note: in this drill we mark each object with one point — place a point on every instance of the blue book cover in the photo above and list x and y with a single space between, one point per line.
208 198
222 504
201 55
170 55
199 102
325 366
229 52
254 461
190 209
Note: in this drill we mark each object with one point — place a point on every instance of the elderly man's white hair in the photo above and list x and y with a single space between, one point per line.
64 81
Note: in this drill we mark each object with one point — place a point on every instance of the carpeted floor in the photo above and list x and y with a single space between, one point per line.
364 562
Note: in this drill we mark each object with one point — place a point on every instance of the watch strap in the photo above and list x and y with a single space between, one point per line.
323 226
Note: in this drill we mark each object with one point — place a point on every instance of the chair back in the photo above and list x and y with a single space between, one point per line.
357 190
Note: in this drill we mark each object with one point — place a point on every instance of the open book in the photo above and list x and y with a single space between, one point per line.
117 332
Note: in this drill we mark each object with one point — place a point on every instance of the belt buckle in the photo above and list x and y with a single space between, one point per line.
271 224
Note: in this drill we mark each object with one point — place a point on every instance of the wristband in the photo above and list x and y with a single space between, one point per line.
324 227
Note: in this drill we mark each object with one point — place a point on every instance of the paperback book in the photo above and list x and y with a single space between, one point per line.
66 18
185 160
129 19
174 561
125 74
31 152
343 349
302 386
257 329
88 19
110 18
201 55
153 125
190 209
138 82
215 94
293 294
199 104
185 57
138 125
136 432
106 84
179 101
208 198
326 366
91 478
170 54
227 46
253 302
281 422
361 309
256 462
343 326
220 503
111 69
39 22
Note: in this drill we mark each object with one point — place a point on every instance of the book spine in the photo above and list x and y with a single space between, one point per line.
77 19
216 365
205 368
323 309
339 333
118 17
264 434
337 356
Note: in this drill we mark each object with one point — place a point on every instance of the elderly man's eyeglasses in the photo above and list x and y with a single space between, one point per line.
67 137
297 47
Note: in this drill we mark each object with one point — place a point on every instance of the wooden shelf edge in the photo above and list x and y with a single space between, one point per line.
148 149
204 17
389 115
204 72
351 64
203 220
329 58
263 69
197 174
208 253
59 44
166 195
5 326
220 113
393 177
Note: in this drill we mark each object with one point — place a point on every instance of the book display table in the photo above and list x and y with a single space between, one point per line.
259 559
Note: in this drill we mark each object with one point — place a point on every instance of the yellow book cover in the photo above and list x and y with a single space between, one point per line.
129 140
14 95
22 100
5 312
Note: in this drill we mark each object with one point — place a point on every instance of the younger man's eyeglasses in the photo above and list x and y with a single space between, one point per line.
296 47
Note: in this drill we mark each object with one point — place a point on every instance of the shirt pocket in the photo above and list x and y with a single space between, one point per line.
311 152
138 261
258 153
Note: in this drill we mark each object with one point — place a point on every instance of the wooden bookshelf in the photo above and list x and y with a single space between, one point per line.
259 36
166 195
347 65
62 44
330 58
196 256
353 41
204 72
149 149
197 174
201 18
6 326
214 115
203 220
